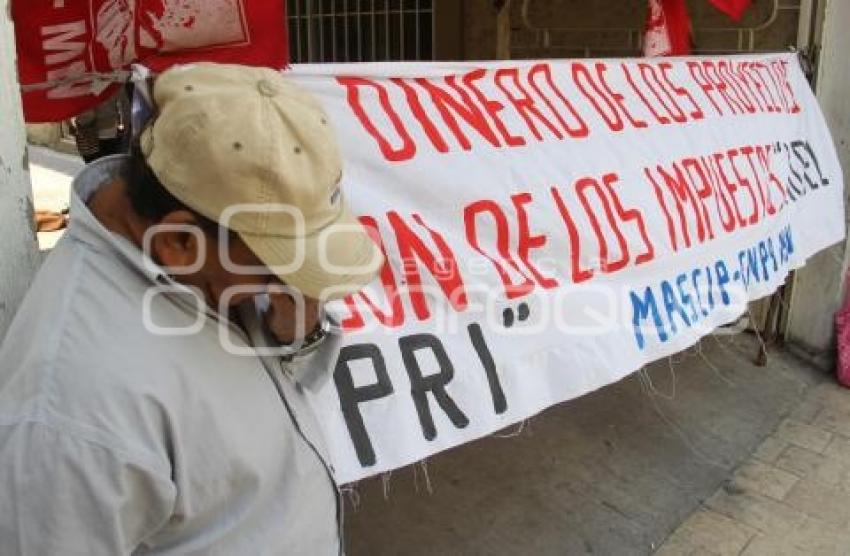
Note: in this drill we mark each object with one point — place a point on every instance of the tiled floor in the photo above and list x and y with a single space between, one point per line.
791 497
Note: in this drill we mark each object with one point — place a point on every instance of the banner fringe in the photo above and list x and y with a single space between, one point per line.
514 433
385 483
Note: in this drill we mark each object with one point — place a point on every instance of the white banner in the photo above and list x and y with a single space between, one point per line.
552 226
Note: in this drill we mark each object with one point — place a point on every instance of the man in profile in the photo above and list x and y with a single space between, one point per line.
149 401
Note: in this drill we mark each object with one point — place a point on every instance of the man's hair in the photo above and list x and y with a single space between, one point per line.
150 199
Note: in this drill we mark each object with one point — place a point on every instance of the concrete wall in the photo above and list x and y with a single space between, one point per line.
18 247
817 290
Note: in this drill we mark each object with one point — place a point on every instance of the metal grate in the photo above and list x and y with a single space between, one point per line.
360 30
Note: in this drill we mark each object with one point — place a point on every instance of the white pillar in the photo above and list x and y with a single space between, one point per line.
18 246
818 287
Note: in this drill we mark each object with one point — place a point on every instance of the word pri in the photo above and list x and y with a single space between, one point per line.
691 296
423 387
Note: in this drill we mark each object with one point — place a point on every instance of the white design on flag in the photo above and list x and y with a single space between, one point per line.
115 31
188 24
168 26
656 39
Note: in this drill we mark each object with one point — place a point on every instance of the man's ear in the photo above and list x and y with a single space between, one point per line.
178 241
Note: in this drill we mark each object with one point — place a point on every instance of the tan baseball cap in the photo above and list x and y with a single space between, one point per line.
249 149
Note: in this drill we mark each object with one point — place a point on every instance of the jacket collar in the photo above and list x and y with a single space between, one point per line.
86 228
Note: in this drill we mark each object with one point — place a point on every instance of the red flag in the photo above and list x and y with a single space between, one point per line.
733 8
668 29
61 43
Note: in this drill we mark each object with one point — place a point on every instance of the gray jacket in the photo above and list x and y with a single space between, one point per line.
117 440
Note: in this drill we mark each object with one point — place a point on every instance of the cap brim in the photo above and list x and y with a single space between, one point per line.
338 260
